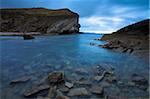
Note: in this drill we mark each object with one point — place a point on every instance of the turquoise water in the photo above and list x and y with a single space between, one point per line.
33 57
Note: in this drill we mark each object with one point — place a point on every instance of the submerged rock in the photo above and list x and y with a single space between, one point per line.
36 90
78 92
56 77
21 80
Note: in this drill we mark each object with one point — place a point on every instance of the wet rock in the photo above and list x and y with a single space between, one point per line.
92 44
81 71
36 90
78 92
28 37
52 92
97 90
56 77
68 84
21 80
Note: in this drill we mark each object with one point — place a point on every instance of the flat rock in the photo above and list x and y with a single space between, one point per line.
78 92
56 77
36 90
21 80
68 84
97 90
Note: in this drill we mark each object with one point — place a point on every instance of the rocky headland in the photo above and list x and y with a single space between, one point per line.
38 21
132 39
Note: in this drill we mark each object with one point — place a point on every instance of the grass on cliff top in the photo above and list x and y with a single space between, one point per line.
41 11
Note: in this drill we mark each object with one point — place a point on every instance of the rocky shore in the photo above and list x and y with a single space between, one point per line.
132 39
40 20
83 84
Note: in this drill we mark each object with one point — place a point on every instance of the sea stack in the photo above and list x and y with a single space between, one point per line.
45 21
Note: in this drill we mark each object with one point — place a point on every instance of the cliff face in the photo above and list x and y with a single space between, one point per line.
39 20
133 39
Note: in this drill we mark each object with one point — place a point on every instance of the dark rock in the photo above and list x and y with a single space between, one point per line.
28 37
36 90
92 44
56 77
20 80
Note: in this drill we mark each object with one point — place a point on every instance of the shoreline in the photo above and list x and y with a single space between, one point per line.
39 33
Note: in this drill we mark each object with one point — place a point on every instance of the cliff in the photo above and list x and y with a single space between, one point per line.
39 20
133 39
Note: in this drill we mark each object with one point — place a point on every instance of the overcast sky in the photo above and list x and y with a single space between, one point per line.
100 16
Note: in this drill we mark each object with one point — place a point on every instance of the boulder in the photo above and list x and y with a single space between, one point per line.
78 92
28 37
56 77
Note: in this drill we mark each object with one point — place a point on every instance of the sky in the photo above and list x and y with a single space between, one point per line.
96 16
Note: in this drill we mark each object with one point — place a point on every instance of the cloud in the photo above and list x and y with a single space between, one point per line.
103 16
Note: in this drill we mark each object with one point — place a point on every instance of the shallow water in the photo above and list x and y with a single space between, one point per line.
35 57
